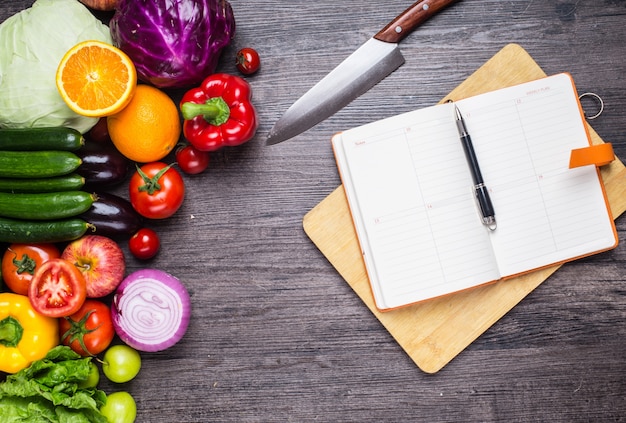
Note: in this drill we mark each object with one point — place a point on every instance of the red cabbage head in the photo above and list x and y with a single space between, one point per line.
173 43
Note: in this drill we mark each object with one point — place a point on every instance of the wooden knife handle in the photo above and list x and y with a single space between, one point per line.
410 19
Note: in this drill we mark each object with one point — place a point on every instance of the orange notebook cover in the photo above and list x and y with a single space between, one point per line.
410 192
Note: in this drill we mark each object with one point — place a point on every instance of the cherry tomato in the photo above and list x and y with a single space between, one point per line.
20 261
191 160
120 408
90 330
156 190
144 244
58 288
248 61
121 363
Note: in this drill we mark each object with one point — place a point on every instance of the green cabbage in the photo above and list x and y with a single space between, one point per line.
32 43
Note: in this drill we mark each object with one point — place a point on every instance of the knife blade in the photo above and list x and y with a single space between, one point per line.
369 64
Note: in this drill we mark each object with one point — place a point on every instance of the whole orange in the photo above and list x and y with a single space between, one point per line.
148 128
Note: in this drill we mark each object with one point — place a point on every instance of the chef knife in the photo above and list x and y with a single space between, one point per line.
363 69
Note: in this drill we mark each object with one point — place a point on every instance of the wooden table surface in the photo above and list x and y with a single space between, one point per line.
277 335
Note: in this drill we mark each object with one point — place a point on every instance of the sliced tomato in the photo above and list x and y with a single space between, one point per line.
58 288
20 261
90 330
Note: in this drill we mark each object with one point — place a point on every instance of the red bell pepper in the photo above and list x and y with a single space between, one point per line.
219 113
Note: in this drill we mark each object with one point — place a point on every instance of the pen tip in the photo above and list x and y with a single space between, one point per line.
457 113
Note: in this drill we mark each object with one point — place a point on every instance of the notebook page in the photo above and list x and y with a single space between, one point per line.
409 190
546 212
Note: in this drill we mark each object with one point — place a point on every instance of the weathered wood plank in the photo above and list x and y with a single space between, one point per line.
276 333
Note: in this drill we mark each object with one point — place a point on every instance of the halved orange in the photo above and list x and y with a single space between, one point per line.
96 79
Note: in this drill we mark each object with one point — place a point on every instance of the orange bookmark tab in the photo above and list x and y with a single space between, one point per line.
599 155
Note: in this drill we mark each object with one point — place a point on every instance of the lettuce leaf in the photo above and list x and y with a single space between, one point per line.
49 391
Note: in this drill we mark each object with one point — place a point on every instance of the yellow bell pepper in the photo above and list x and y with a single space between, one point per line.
25 335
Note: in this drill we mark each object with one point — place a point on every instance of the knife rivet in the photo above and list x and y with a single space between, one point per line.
425 7
398 29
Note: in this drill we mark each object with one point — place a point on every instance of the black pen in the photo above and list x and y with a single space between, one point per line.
482 194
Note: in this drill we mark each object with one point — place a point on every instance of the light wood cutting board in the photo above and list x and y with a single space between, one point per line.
434 332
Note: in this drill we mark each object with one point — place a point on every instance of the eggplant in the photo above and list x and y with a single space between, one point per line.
113 216
102 165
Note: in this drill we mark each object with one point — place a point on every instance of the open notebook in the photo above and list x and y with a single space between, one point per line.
411 196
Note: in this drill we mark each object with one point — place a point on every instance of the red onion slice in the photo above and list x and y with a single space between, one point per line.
151 310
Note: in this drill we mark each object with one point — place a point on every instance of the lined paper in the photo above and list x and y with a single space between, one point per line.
546 212
423 234
411 197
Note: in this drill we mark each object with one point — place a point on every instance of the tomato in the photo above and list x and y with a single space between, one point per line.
58 288
121 363
90 330
120 408
144 244
191 160
248 61
20 261
156 190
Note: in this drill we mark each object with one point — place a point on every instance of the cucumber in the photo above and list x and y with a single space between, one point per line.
73 181
45 206
24 232
37 164
32 139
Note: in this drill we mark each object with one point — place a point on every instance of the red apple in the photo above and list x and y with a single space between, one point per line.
101 261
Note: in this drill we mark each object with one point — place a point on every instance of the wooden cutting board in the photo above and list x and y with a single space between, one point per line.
434 332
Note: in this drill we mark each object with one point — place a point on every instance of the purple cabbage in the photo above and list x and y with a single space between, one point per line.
173 43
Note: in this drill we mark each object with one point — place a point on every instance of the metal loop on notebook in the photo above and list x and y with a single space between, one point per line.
598 101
